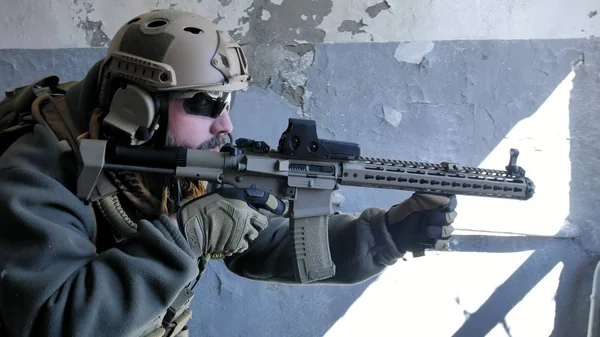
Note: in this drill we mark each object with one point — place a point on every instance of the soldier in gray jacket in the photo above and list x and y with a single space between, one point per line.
122 265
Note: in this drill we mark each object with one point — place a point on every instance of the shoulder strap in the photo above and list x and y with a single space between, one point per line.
53 112
175 320
44 102
15 108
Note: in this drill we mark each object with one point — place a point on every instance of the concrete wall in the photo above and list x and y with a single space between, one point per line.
422 80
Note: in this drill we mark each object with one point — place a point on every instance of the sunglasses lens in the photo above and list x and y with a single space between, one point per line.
205 104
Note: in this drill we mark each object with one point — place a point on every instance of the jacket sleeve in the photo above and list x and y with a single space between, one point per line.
52 280
360 245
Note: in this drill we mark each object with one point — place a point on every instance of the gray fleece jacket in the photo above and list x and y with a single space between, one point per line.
54 281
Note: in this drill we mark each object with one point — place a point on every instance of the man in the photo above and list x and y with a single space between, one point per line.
123 267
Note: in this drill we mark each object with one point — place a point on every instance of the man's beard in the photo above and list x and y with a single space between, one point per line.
206 145
151 194
190 187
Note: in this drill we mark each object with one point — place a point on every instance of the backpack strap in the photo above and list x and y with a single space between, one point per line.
173 323
15 108
53 112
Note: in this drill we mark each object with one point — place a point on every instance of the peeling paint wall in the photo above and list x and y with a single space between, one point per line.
424 81
88 23
289 28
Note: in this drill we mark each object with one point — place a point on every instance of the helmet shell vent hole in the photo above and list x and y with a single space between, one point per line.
133 20
164 77
156 23
193 30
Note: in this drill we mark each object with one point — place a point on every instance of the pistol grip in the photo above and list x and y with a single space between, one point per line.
312 258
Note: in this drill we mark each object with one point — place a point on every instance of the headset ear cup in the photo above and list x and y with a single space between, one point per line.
126 127
145 134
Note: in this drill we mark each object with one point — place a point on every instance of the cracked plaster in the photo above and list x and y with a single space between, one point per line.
83 23
374 10
413 52
401 21
272 31
392 116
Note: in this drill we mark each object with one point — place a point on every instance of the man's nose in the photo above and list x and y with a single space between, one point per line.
222 124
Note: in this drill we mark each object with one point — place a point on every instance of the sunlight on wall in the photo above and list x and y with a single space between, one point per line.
534 315
434 295
543 143
429 296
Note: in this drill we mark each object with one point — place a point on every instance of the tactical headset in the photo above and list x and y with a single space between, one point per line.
137 115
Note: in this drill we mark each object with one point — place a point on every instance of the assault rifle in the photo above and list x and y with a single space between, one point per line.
304 170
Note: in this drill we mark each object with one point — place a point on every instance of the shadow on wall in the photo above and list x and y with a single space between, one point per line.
577 257
459 104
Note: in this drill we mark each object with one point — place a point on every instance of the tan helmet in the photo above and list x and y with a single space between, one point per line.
164 53
174 50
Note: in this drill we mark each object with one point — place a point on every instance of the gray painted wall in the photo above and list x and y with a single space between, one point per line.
429 81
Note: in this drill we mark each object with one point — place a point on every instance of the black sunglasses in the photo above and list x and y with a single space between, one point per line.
207 104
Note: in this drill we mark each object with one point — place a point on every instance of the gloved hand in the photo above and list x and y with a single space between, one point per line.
422 221
227 220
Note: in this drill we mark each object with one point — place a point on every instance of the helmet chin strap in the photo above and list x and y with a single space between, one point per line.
159 140
160 137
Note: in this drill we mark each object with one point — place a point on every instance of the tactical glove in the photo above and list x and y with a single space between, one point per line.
422 221
227 220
